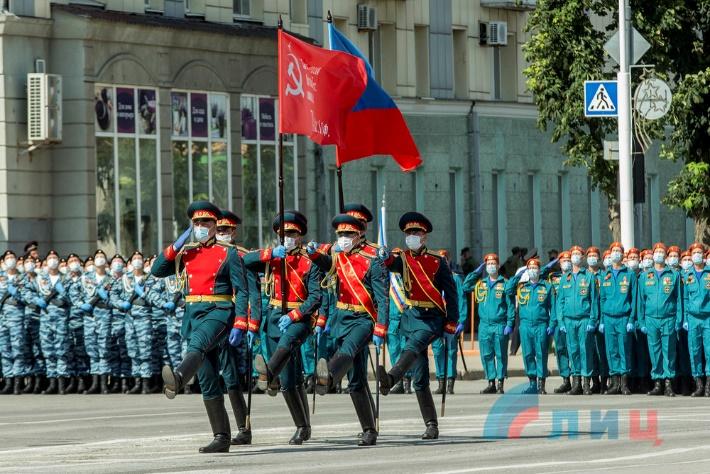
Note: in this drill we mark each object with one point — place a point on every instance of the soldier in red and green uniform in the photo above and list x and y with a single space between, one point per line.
286 331
215 292
361 310
428 314
233 356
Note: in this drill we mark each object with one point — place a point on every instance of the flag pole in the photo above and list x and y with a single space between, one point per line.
339 169
282 217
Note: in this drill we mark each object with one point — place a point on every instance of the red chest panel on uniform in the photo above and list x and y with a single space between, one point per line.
359 265
202 265
430 265
297 268
369 250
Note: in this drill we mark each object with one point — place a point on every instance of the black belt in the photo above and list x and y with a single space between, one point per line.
57 302
12 302
102 305
139 302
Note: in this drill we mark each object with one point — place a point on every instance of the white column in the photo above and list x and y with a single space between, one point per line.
626 204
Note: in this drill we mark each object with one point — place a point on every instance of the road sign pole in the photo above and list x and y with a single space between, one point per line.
626 204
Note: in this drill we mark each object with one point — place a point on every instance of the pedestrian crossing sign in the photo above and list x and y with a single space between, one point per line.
601 99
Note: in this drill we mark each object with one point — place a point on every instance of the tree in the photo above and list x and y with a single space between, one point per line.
565 50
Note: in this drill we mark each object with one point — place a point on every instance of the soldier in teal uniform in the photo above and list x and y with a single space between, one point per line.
426 277
600 372
233 356
216 296
696 305
395 338
578 317
560 338
362 306
496 310
286 331
448 361
641 362
660 314
537 305
617 297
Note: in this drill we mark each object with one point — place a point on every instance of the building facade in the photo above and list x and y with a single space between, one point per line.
167 101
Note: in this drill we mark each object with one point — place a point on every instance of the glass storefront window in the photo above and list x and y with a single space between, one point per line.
260 170
127 169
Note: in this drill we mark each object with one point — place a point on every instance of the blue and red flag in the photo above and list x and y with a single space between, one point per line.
375 126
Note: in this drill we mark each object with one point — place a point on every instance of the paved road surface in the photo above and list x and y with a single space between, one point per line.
119 433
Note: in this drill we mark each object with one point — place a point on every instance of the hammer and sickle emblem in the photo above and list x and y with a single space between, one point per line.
293 67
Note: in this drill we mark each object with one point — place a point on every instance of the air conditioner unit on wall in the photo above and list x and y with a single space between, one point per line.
366 17
44 108
494 33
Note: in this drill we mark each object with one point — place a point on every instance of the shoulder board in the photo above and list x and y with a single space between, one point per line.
434 254
371 244
242 249
225 244
191 245
360 251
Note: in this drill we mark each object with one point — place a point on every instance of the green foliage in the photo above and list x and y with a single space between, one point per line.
690 190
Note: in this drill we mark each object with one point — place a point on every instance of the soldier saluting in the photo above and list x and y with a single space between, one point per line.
431 310
213 275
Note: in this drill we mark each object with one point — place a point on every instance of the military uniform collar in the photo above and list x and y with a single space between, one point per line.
422 251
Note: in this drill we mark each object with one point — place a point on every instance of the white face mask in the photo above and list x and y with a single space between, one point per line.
616 257
129 268
146 268
566 266
492 269
201 233
29 267
592 261
707 262
345 243
673 261
21 269
686 264
10 263
647 263
290 243
74 267
576 259
223 237
533 274
52 263
90 268
116 267
137 264
413 242
99 261
697 258
659 257
633 264
607 262
63 270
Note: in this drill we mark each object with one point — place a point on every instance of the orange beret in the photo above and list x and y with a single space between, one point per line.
696 246
632 251
645 252
593 250
616 244
685 254
534 261
564 255
607 252
576 248
491 256
673 248
659 245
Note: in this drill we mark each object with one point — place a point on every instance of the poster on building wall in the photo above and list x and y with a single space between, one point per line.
103 108
267 119
146 111
218 116
198 114
178 106
248 119
125 110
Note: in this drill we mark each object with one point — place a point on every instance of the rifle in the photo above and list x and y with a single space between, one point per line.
446 375
463 359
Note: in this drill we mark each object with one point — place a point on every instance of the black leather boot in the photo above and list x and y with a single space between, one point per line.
271 370
115 384
407 385
604 384
615 387
596 384
586 389
532 386
576 386
175 380
125 385
625 390
38 384
239 407
669 389
440 389
428 410
81 384
7 387
685 385
541 387
52 388
366 417
32 382
565 387
398 388
707 388
147 389
104 384
137 386
657 388
491 388
330 372
500 390
388 379
94 388
219 422
699 387
450 386
299 414
17 386
71 387
62 386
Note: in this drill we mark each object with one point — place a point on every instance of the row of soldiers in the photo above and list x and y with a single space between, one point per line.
615 319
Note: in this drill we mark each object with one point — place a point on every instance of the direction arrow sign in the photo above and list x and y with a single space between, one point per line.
601 99
639 46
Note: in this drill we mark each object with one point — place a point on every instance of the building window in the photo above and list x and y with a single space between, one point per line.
298 11
242 8
127 169
200 152
460 40
421 46
259 152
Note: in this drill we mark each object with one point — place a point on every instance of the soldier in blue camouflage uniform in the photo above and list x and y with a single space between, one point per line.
6 354
32 327
159 317
79 361
13 311
176 345
47 291
130 296
119 361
